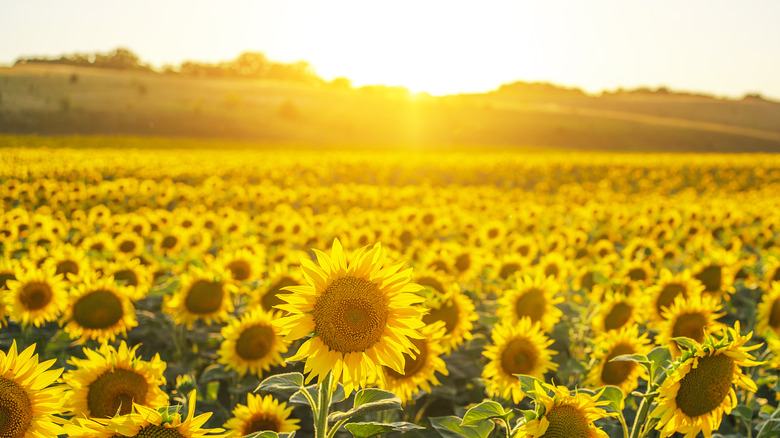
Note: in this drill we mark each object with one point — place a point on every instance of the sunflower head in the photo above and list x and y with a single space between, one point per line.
37 295
520 348
362 313
699 389
561 414
99 309
202 295
534 298
28 402
622 374
252 343
259 414
420 370
110 380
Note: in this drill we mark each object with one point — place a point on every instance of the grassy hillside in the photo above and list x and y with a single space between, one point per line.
59 100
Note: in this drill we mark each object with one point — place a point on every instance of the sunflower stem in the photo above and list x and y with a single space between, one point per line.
336 427
767 427
623 424
638 429
325 396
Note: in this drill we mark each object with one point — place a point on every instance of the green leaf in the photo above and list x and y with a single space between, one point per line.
286 384
743 412
527 383
484 411
660 356
368 400
640 358
686 343
614 395
449 427
365 430
270 434
213 373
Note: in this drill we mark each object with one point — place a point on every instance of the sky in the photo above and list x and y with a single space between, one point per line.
721 47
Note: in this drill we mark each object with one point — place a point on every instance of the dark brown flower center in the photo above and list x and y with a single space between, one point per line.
255 342
615 373
350 315
532 303
705 387
271 298
36 295
16 413
116 390
204 297
519 357
566 421
99 309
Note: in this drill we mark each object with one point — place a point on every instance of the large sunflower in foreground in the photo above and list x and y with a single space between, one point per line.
563 415
99 309
519 348
699 391
36 296
252 343
259 414
146 422
361 313
534 298
111 379
623 374
27 402
420 371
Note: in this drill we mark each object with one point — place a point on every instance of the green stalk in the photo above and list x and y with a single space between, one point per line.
766 428
644 407
623 424
321 417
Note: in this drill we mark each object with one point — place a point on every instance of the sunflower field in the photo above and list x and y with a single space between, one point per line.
182 293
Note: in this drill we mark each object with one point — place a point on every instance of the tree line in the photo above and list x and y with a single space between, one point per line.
253 65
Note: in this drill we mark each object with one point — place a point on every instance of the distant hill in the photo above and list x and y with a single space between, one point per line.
56 99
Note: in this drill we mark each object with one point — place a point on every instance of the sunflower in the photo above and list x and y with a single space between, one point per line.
609 345
532 297
269 295
420 371
146 422
508 265
518 348
28 403
133 274
98 309
8 268
768 318
259 414
36 296
618 310
129 244
668 287
70 261
564 415
692 318
697 393
252 343
526 247
715 271
109 380
554 265
361 312
202 294
638 271
243 264
456 310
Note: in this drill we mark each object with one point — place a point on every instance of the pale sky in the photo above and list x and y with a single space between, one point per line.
723 47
